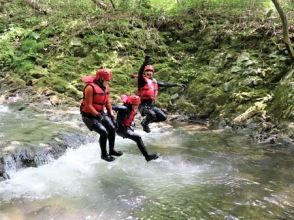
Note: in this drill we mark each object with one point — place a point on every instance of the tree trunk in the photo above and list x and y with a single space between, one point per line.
35 5
112 4
100 4
286 37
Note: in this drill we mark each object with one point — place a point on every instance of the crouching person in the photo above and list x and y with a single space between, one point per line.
95 100
125 117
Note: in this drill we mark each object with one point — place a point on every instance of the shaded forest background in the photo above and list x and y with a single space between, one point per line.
230 54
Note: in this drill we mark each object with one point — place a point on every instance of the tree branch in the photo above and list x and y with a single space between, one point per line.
286 37
100 4
35 5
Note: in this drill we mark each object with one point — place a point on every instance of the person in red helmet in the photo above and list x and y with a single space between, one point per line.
95 100
125 117
148 91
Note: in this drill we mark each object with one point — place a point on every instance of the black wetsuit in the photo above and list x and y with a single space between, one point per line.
104 126
147 107
123 111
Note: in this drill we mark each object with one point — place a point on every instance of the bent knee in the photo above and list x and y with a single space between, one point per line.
163 118
137 138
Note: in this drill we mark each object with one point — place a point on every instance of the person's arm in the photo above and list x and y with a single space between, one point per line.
119 108
89 101
169 84
141 80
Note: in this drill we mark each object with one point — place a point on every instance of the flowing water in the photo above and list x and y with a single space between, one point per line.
200 175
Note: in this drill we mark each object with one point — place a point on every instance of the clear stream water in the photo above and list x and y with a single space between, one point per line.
200 175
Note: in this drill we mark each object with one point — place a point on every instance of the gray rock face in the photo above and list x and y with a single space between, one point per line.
33 131
34 156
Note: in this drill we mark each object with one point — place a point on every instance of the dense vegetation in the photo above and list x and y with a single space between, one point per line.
229 53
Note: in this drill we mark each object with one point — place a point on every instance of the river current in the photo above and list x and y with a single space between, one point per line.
200 175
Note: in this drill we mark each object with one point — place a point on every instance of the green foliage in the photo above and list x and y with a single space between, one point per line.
7 50
23 67
59 84
3 25
31 46
66 8
282 107
231 4
227 59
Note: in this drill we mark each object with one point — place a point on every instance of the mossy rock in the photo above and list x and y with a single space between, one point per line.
71 91
282 104
59 85
187 106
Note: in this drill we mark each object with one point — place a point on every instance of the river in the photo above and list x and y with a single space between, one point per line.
200 175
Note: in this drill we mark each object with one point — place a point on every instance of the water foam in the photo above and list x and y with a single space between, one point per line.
4 109
73 172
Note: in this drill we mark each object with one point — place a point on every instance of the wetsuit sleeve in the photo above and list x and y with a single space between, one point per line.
119 108
89 101
141 80
167 84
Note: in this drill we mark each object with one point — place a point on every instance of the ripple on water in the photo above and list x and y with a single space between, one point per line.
180 184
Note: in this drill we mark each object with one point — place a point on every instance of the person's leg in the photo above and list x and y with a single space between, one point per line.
107 122
137 138
100 129
150 117
160 115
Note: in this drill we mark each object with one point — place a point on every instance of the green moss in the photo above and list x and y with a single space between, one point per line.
282 105
59 85
227 65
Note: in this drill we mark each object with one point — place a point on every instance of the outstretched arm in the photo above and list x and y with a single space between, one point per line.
119 108
169 84
141 80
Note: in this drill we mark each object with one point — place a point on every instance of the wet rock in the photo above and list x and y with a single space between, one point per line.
55 100
230 217
173 118
264 138
33 156
190 128
2 169
228 129
244 56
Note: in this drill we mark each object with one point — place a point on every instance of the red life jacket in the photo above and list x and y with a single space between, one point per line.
129 119
100 98
149 91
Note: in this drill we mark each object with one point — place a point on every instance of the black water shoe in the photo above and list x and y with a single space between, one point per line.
152 157
108 158
146 128
115 153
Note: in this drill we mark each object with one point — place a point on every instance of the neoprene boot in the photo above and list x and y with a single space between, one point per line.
143 150
111 140
145 126
107 158
104 155
151 157
115 153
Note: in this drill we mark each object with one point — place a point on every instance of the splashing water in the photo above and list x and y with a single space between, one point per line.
3 109
204 175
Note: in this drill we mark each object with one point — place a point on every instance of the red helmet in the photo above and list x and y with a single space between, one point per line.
149 68
132 99
104 74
